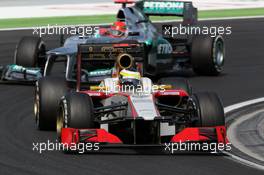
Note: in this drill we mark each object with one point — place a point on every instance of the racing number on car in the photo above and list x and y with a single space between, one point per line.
164 49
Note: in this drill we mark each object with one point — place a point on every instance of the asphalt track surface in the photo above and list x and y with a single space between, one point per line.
246 132
242 80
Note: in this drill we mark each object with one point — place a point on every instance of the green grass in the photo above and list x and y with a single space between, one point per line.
98 19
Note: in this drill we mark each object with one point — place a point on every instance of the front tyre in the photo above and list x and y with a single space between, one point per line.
75 111
48 92
209 110
30 52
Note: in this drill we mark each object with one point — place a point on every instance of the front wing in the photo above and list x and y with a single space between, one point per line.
71 136
15 74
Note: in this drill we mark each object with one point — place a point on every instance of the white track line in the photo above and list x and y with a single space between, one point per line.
164 21
232 135
239 106
243 104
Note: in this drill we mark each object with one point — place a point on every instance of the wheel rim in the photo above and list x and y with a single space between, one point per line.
219 53
194 105
60 123
41 54
36 105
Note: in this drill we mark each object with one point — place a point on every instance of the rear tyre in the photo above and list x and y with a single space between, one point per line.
30 52
207 55
210 110
48 92
75 111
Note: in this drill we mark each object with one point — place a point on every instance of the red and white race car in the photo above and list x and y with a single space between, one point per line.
140 113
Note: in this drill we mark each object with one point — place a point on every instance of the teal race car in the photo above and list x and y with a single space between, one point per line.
134 35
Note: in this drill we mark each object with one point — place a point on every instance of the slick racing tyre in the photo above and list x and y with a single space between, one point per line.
75 111
30 52
178 83
209 110
207 55
48 92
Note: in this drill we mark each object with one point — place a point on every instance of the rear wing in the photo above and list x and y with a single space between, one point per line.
106 55
110 51
169 8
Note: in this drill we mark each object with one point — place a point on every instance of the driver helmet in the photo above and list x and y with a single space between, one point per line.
118 28
129 78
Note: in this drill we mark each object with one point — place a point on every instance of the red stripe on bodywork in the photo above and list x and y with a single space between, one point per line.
71 136
133 110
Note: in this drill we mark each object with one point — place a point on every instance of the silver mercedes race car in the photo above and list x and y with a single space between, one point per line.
162 54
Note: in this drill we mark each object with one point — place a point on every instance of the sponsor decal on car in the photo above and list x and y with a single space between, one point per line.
163 7
100 72
164 49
